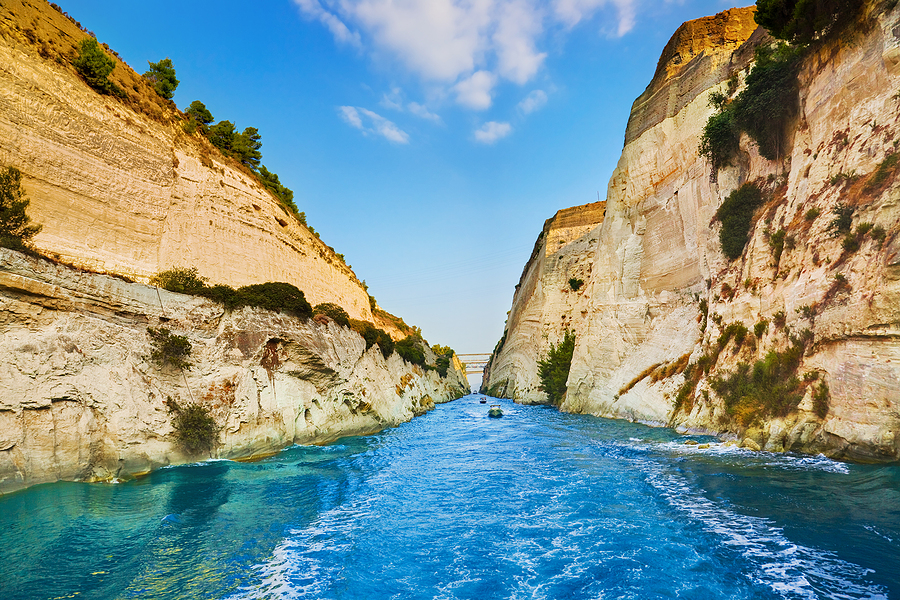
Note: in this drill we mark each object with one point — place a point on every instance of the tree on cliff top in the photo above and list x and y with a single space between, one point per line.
94 65
162 76
198 112
804 21
16 229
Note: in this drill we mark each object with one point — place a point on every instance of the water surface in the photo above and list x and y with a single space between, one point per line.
537 505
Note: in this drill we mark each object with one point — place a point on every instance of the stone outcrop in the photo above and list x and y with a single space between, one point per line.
655 260
81 399
127 191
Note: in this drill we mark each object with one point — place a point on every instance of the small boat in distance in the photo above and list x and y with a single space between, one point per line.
483 400
495 411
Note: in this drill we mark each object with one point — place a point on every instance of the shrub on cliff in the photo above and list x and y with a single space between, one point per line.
765 106
804 21
554 369
736 216
333 312
161 76
16 229
94 66
277 296
409 348
180 279
196 431
373 335
721 139
199 113
168 348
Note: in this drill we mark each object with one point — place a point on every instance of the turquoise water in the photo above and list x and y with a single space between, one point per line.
535 505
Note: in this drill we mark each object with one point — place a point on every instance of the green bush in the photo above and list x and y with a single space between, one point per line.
168 348
843 219
442 363
333 312
277 296
409 348
776 242
94 66
199 114
769 387
812 214
16 229
373 335
736 331
554 369
821 400
765 106
736 216
161 76
180 279
196 431
886 168
760 328
804 21
575 283
721 139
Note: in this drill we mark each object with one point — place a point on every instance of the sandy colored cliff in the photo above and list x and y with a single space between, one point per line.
81 399
655 260
119 187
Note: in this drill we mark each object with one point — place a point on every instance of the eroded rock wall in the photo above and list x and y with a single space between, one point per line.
81 400
658 258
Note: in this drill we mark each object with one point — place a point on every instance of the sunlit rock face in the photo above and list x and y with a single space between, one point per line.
81 399
117 191
656 255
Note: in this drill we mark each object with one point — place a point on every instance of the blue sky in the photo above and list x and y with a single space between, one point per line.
426 140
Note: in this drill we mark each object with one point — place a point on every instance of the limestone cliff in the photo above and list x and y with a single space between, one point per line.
81 400
656 261
119 187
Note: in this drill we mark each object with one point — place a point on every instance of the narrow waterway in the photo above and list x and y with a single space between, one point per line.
536 504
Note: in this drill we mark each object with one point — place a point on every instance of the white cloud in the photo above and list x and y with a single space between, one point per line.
571 12
462 47
423 112
475 92
518 26
492 131
341 33
370 122
533 101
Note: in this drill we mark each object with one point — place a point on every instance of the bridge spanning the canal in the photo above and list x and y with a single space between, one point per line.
475 363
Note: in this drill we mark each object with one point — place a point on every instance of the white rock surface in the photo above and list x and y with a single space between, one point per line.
657 255
81 400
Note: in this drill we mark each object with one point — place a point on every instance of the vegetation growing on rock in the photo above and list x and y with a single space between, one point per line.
736 216
196 431
168 348
804 21
16 228
161 76
554 369
95 66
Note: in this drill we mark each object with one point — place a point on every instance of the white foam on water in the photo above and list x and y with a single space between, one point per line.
788 569
791 462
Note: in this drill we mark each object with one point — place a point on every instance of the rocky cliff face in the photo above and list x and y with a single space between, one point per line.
126 191
81 400
656 262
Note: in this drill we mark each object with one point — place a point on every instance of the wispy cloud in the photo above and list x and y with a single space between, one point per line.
463 46
533 101
393 100
338 29
372 123
492 131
